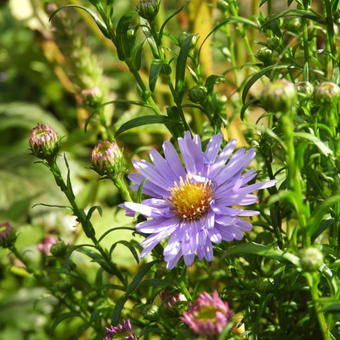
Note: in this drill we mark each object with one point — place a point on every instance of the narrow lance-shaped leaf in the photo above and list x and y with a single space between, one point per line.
181 65
145 120
101 25
156 67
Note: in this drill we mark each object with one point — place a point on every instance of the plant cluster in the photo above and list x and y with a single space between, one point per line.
232 214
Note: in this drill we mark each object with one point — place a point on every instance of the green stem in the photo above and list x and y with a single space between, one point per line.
120 183
330 30
82 218
146 93
153 31
294 177
15 251
313 280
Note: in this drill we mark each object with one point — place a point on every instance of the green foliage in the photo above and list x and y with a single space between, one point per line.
152 79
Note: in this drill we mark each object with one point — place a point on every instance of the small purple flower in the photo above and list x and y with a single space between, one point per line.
46 244
43 141
191 203
121 331
208 315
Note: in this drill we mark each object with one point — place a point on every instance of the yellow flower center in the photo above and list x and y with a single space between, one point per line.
207 314
191 200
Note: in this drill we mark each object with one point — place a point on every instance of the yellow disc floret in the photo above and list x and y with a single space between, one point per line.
191 200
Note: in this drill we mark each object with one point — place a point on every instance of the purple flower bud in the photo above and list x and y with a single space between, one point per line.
107 158
280 95
43 142
46 244
170 299
7 235
121 331
327 92
92 97
208 315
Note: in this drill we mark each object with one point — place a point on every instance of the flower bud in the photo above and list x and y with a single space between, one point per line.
274 43
184 36
107 158
311 259
43 142
46 244
198 94
148 9
170 299
327 93
305 89
92 97
58 249
264 54
280 95
294 25
7 235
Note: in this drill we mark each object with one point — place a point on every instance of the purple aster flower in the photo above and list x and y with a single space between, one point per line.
191 203
121 331
208 315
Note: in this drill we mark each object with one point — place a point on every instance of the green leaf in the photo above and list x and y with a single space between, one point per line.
297 13
137 54
139 276
235 19
91 211
169 18
125 41
63 317
325 224
128 245
145 120
333 308
156 67
118 309
315 140
261 250
212 81
258 75
181 65
315 220
101 25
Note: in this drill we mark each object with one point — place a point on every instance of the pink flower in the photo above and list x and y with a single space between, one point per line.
46 244
208 315
121 331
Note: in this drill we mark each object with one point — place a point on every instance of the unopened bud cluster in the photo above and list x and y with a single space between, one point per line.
279 96
108 159
148 9
43 142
